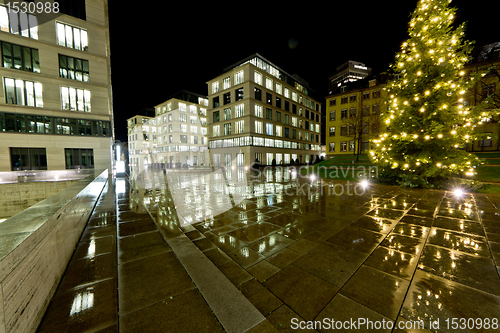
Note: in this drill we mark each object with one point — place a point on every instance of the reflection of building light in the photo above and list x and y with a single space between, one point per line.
82 301
91 250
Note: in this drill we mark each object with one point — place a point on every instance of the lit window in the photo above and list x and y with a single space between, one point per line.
215 87
294 96
239 110
22 92
216 130
182 106
278 130
278 88
287 93
192 109
258 78
226 83
258 127
73 37
269 83
238 77
18 23
258 111
269 129
239 125
194 130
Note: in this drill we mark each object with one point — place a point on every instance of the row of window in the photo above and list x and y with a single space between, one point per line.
239 112
262 142
36 158
352 129
352 145
353 98
20 57
278 158
269 100
19 23
28 59
375 111
22 123
26 25
269 84
182 107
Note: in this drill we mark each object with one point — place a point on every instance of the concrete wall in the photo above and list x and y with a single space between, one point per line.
35 248
16 197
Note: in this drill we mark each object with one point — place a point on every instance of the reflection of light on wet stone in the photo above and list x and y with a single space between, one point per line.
82 301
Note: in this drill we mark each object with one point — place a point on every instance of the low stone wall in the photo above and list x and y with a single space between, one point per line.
16 197
35 248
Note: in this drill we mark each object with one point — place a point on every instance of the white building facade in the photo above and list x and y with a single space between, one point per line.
56 111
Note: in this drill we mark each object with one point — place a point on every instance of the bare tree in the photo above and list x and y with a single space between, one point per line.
362 122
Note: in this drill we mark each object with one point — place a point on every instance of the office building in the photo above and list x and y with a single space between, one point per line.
56 88
353 117
486 59
259 112
350 71
176 136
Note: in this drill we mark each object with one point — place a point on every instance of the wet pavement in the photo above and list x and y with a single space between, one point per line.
297 250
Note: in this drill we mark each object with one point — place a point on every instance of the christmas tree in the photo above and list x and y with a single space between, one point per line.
426 120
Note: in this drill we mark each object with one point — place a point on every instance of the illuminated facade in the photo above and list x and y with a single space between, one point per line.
182 131
141 140
488 58
56 90
176 136
348 72
263 114
357 108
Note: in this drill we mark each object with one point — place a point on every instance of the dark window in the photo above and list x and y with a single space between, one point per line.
53 125
216 102
278 116
75 8
28 159
486 142
227 98
239 94
216 116
269 98
79 158
294 108
258 94
343 130
278 102
287 132
287 105
269 114
20 57
73 68
307 114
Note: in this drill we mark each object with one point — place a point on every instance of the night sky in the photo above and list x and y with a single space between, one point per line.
159 49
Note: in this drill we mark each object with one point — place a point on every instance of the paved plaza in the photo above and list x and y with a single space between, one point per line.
270 252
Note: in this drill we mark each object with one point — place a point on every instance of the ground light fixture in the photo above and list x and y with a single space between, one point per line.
312 177
458 192
364 184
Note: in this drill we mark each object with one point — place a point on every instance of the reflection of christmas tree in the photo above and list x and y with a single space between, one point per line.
426 119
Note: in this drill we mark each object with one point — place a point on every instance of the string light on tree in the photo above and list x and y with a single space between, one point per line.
427 121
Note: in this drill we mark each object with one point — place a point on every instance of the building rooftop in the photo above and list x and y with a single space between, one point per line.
258 60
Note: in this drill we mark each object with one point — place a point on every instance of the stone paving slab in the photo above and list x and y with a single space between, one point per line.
390 254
